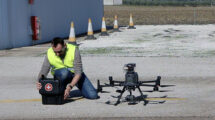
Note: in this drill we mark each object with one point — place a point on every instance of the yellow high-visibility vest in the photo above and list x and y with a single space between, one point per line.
56 62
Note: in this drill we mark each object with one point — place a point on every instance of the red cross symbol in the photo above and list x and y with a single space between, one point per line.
48 87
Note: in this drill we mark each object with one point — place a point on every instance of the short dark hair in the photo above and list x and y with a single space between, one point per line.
57 41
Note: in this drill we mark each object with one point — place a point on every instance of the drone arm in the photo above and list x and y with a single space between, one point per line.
147 85
118 81
115 84
152 81
157 81
106 85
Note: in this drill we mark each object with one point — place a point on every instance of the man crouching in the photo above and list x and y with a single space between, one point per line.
66 65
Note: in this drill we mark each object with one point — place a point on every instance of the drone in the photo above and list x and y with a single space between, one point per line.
130 84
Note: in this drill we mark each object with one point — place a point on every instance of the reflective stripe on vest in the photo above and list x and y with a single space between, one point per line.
56 62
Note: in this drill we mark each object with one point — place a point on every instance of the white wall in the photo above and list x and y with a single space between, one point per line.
117 2
112 2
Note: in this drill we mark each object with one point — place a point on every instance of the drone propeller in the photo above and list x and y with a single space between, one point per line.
114 102
104 92
119 91
157 102
165 96
114 96
166 85
110 102
157 91
107 84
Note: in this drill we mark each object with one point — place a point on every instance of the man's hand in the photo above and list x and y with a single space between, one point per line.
66 93
39 86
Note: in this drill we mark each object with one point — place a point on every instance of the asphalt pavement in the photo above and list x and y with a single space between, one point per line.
190 98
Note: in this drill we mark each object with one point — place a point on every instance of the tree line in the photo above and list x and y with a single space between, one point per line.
169 2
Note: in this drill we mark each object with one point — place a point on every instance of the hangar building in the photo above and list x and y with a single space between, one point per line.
28 22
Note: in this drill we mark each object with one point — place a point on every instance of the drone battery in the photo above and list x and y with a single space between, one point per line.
51 91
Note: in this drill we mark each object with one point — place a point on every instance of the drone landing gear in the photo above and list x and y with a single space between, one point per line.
156 88
142 97
132 100
118 100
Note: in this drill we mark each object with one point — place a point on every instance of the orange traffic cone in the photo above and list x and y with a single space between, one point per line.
104 30
115 25
90 35
131 23
72 39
